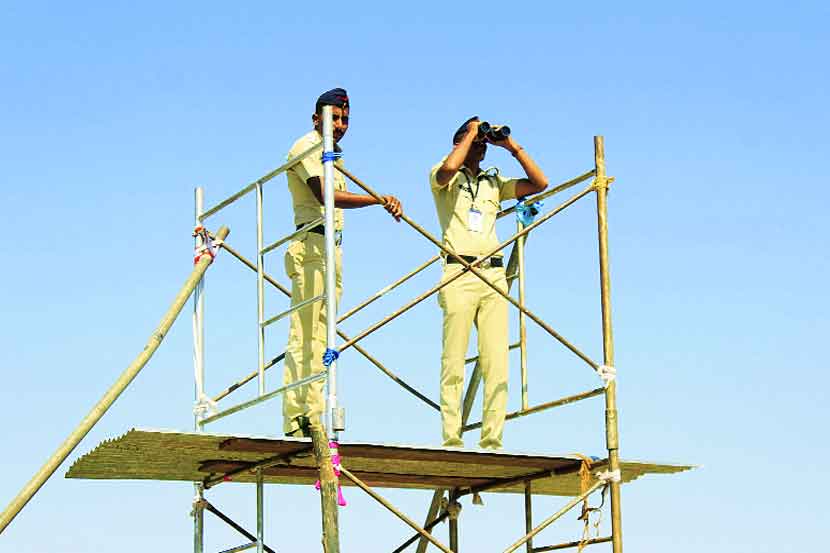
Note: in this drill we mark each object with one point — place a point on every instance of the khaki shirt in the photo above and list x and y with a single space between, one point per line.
464 192
306 206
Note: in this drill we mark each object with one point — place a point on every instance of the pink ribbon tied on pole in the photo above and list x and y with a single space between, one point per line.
335 463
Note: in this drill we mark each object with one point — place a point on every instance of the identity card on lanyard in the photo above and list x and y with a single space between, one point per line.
475 220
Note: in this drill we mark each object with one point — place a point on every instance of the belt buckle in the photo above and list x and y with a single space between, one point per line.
486 264
338 237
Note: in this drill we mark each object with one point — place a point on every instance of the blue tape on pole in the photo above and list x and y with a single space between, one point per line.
331 156
329 356
527 212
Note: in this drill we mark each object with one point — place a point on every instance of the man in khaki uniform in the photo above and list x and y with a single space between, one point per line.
467 200
305 264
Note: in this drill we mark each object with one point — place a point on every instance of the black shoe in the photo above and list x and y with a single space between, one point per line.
303 428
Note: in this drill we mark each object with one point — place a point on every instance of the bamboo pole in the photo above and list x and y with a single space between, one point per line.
386 289
328 488
572 544
432 524
434 507
611 430
112 394
551 519
270 280
548 193
374 495
472 267
520 247
543 407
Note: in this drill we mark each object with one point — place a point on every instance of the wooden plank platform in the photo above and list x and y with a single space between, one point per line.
170 455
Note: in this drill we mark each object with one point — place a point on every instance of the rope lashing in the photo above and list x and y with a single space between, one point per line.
587 510
330 356
607 373
525 213
609 476
205 244
335 463
331 156
204 406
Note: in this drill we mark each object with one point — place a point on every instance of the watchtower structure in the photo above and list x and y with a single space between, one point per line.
209 460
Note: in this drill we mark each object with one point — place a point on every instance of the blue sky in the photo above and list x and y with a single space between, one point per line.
714 116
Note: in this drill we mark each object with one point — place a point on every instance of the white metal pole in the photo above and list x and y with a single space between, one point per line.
331 270
199 369
260 291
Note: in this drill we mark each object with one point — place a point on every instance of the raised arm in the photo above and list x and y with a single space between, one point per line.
457 156
536 180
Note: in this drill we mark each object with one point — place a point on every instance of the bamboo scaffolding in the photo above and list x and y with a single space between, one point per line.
611 431
374 495
543 407
240 548
428 527
112 394
386 289
472 267
551 519
259 182
548 193
230 522
572 544
281 356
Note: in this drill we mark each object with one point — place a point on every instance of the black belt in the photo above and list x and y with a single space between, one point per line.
321 229
489 262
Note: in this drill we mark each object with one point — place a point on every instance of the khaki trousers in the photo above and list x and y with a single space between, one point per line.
465 301
305 262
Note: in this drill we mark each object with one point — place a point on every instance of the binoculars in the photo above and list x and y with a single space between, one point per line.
495 133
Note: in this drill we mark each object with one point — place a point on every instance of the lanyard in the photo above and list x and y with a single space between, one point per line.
469 187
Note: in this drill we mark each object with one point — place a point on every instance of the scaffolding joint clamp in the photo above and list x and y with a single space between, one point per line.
602 183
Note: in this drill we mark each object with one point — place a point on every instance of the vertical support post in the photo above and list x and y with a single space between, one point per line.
328 481
454 535
331 268
199 371
528 515
260 291
611 430
260 512
520 251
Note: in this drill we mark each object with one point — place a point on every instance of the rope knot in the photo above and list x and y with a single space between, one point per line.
607 373
205 244
608 476
334 450
330 356
331 156
525 213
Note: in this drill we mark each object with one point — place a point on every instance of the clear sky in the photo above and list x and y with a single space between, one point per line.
715 121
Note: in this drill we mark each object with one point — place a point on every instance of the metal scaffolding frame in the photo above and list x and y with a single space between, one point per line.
599 184
206 408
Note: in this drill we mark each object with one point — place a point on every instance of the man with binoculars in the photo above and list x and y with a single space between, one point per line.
468 200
